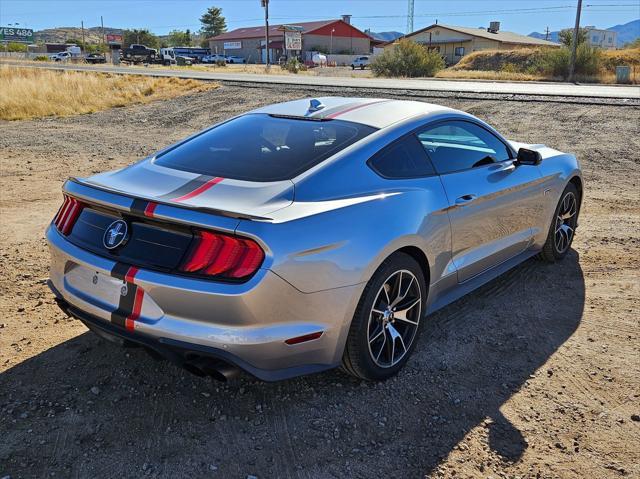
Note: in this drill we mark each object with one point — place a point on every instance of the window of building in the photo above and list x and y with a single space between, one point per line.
461 145
594 39
404 159
459 51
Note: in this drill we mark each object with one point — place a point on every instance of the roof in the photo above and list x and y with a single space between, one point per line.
500 35
258 32
376 112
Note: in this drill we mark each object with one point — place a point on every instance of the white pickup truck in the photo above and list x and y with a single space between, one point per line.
60 57
360 62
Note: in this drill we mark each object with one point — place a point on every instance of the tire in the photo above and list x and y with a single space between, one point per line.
370 352
563 226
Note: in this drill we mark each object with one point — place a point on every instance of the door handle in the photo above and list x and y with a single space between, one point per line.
465 200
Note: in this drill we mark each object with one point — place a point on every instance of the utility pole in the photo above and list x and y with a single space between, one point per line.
82 27
265 4
546 37
102 26
574 44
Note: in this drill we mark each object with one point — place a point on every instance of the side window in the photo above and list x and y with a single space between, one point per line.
404 159
459 51
460 145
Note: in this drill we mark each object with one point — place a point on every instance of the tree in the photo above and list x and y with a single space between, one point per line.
213 23
566 36
143 36
178 38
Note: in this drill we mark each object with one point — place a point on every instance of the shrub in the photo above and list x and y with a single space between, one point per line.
510 68
40 58
407 59
16 47
293 65
555 62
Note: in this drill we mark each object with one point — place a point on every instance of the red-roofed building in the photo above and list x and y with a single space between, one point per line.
329 36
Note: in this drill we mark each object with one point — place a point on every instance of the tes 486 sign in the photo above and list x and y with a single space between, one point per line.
12 34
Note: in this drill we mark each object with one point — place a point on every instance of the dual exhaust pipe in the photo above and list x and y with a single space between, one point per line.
203 366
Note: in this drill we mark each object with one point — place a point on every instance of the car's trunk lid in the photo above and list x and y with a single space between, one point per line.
149 181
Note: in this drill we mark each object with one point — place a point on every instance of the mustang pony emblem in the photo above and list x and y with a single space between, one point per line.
115 234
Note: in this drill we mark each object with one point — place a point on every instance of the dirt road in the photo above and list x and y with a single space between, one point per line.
535 375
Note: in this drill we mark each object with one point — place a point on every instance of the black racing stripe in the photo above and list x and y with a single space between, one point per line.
120 270
188 187
125 306
138 206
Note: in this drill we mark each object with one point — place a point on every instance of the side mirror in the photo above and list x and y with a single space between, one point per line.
528 157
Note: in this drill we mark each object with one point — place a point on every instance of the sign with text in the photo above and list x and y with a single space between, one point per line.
232 45
293 40
14 34
114 39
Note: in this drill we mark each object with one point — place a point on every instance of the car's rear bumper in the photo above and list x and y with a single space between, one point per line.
243 324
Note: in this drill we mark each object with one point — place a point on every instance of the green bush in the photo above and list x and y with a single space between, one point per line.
407 59
555 62
293 65
16 47
40 58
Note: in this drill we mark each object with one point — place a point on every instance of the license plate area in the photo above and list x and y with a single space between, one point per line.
94 287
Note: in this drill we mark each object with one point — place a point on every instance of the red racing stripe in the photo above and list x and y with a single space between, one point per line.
356 107
131 274
137 308
199 190
150 209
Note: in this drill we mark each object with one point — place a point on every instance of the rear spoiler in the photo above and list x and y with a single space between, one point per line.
90 192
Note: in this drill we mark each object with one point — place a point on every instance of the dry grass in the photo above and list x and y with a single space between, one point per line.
35 93
488 75
520 64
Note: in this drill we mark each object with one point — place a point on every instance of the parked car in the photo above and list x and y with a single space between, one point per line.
137 53
235 59
361 62
60 56
214 58
204 254
95 58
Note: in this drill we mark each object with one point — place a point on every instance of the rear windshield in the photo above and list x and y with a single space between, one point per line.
260 147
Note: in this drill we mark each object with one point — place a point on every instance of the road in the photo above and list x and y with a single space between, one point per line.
461 86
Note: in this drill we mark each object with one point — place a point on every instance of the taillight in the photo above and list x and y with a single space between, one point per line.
214 254
68 214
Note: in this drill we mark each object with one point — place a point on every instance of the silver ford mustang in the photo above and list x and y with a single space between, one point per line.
306 235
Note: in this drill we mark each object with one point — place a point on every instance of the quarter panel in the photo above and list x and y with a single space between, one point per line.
318 248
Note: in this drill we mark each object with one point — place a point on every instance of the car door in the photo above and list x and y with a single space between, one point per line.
492 201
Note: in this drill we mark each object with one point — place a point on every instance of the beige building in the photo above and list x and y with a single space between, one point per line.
597 37
454 42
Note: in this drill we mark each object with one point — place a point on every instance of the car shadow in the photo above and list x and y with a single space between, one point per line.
89 408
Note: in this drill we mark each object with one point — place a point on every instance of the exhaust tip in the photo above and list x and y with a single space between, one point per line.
214 368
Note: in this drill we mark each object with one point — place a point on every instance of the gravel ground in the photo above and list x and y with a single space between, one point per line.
535 375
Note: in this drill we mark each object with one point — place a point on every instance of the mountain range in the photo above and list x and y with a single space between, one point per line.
385 36
627 33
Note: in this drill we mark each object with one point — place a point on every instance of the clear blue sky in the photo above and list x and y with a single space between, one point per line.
161 16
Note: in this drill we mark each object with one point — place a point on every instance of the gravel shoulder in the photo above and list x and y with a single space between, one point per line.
537 374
